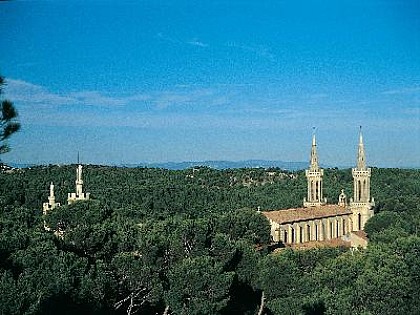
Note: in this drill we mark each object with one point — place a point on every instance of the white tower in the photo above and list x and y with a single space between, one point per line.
79 194
314 175
51 204
361 204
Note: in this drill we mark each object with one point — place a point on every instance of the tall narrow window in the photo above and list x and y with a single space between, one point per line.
292 230
331 230
301 231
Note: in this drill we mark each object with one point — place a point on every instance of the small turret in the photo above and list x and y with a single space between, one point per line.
342 199
50 205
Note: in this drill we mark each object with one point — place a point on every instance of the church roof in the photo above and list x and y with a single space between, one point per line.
362 234
305 214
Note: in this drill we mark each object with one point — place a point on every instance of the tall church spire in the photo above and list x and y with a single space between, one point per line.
314 176
361 159
361 204
314 156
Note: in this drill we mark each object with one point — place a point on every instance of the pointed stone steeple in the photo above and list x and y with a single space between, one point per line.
361 203
361 159
314 175
314 156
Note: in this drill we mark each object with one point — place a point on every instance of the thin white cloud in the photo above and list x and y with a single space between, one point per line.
192 42
412 111
167 38
25 92
31 94
260 51
201 96
406 90
197 43
95 98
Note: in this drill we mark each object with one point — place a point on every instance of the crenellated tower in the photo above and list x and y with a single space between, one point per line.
314 176
79 194
361 204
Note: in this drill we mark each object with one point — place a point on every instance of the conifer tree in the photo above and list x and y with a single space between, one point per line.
8 120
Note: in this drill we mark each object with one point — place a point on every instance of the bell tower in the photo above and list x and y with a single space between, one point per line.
361 203
79 194
314 176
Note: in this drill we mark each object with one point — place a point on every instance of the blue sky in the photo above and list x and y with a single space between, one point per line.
155 81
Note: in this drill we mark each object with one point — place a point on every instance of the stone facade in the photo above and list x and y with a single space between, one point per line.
317 221
295 226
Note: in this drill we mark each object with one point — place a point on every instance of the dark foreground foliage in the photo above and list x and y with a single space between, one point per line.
155 241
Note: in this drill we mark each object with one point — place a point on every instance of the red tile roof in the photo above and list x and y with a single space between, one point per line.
362 234
305 214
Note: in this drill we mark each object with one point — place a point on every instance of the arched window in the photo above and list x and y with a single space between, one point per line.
359 221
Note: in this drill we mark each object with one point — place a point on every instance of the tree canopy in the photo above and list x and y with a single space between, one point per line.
155 241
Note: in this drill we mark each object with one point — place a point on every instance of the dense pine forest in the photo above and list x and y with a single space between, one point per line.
155 241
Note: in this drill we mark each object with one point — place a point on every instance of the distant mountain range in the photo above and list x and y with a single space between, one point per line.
290 166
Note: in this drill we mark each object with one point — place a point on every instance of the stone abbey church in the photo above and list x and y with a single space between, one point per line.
318 221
